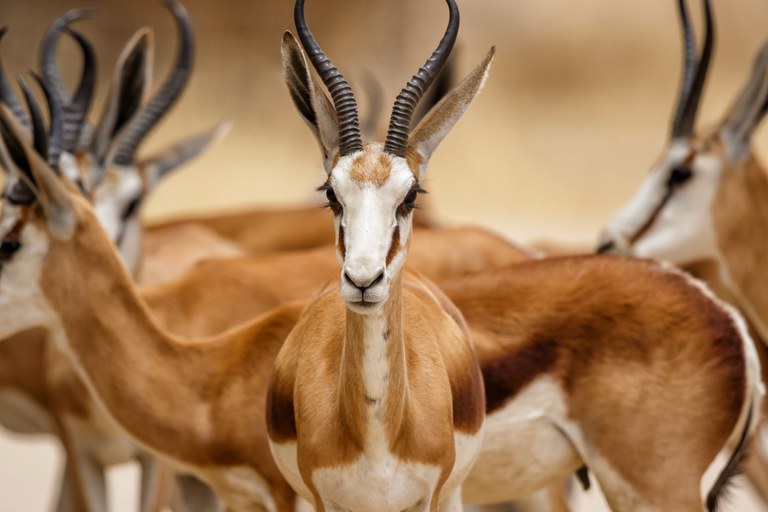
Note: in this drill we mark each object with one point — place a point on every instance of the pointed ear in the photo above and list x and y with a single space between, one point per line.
427 136
308 97
745 114
49 189
159 165
129 85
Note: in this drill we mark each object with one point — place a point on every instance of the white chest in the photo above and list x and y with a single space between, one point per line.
376 483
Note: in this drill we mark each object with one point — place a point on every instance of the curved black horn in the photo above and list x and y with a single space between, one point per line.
140 126
695 73
7 96
76 111
350 139
39 136
56 129
48 53
405 104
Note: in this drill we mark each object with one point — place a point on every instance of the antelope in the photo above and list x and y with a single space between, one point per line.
189 400
191 383
705 199
567 346
61 392
376 400
164 304
51 399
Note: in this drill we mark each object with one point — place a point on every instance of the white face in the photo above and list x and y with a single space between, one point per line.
22 253
372 211
670 216
116 202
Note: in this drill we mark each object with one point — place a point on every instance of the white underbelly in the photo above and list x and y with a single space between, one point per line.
523 450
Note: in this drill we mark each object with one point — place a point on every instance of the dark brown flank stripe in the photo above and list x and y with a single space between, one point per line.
394 246
506 376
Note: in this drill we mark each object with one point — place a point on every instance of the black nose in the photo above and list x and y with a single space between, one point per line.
606 247
363 287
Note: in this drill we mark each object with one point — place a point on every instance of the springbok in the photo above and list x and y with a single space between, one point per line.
217 289
376 401
52 399
584 360
566 322
705 200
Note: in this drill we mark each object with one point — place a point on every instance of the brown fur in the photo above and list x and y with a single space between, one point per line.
371 167
416 397
560 316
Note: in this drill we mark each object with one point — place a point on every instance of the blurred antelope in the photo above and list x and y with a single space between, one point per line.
39 391
707 200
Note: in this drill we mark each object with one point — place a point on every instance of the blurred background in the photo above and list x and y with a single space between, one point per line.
574 113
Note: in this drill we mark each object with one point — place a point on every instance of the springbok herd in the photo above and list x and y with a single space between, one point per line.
244 376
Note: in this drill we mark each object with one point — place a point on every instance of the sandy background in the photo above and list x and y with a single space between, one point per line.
574 113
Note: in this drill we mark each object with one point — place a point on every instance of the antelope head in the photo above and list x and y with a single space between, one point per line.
372 187
673 214
37 211
103 161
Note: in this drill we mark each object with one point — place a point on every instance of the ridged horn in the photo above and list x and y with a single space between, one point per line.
76 111
48 53
694 74
142 124
405 104
56 129
8 97
350 139
39 135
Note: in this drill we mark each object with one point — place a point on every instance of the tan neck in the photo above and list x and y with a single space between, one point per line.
158 388
740 213
373 371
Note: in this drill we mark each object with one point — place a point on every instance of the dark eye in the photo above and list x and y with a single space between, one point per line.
679 175
408 203
20 193
8 247
333 202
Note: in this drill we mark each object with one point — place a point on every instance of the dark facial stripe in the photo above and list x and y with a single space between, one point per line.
394 246
662 204
652 218
340 245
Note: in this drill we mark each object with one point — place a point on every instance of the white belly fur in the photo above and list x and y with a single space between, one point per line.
523 450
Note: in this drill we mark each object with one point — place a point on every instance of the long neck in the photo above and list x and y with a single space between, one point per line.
373 379
158 388
740 213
